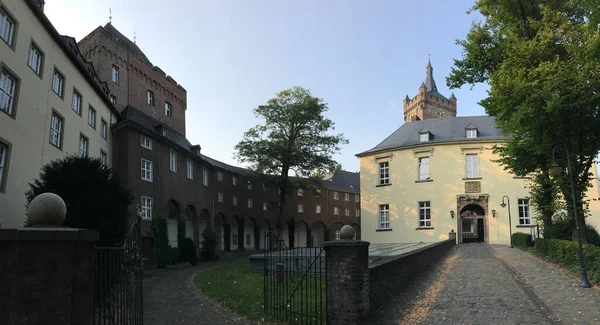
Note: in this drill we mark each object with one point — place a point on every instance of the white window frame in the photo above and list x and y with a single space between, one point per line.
317 208
190 168
336 211
58 83
113 99
7 27
91 117
337 235
234 180
384 173
234 239
168 109
103 129
300 208
249 185
220 196
357 212
220 176
146 207
3 163
250 203
347 212
103 158
471 133
76 102
150 97
472 165
173 160
318 193
115 74
235 201
8 91
524 207
36 59
56 130
265 206
300 192
423 137
248 239
425 214
346 196
424 168
146 170
84 144
384 216
356 198
146 142
204 176
336 195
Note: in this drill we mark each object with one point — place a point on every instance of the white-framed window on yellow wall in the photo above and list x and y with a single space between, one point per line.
424 214
384 173
472 165
384 216
424 173
524 212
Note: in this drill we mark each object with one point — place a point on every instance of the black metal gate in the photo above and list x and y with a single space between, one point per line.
118 286
295 284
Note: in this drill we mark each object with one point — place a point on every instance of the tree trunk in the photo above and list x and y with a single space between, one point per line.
547 211
281 208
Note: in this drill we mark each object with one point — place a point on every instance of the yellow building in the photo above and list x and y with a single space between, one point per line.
436 175
51 103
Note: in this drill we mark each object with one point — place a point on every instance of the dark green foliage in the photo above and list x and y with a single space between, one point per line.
181 231
173 257
521 240
161 240
541 245
209 245
187 251
564 228
565 253
94 196
591 236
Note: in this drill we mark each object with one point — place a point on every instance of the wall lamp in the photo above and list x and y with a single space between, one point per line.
452 214
494 213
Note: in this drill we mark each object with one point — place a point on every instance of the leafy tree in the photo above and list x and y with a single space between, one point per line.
542 61
293 138
94 196
160 229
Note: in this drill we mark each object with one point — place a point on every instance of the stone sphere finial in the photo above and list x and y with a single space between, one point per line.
347 232
47 209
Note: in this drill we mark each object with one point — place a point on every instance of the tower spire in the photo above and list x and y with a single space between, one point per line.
134 36
109 15
429 82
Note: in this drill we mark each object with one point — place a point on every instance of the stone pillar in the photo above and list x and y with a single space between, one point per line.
47 271
347 279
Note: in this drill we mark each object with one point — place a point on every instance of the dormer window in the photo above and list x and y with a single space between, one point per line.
424 135
164 132
471 131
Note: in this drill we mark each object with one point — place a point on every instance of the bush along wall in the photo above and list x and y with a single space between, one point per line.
565 253
161 239
521 240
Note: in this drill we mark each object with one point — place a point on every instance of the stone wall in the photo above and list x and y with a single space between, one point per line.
389 277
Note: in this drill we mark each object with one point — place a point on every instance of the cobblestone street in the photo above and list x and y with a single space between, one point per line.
484 284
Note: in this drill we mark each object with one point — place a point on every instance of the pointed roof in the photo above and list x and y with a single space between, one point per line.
126 41
429 82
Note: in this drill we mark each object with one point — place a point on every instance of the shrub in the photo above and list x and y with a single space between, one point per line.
161 239
209 245
94 196
187 252
563 228
520 239
541 245
592 236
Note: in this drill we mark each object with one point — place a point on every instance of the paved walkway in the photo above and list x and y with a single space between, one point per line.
170 298
483 284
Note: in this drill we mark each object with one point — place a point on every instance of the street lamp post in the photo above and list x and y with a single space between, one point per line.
509 217
555 169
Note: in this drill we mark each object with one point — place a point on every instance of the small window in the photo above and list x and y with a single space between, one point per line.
234 200
83 146
36 59
220 196
357 212
471 133
234 180
300 192
346 196
336 195
424 168
220 176
384 173
424 214
76 102
336 211
356 198
347 212
150 96
249 185
190 168
56 130
103 158
204 176
250 203
7 27
265 206
103 129
113 99
147 203
467 225
115 74
58 83
164 132
318 193
173 160
248 240
384 216
92 117
234 239
317 209
3 164
424 137
524 212
146 142
168 111
472 166
300 208
337 235
8 91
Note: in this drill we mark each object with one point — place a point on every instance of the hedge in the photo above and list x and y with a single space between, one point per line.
565 253
521 240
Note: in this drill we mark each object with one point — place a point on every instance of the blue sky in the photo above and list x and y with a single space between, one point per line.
361 57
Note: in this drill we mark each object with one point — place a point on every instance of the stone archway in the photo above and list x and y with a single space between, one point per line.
472 219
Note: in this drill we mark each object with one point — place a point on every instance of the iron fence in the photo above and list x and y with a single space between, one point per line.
118 282
295 284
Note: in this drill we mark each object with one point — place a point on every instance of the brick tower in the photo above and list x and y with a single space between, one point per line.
429 103
133 79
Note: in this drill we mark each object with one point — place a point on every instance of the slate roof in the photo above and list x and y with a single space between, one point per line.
126 41
343 180
449 129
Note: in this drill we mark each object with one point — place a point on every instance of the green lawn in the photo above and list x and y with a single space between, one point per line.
235 287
